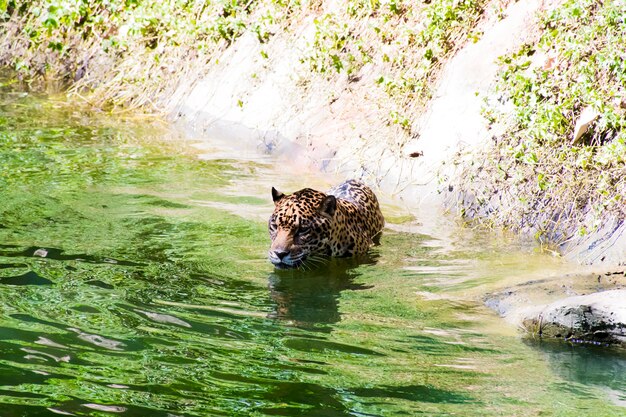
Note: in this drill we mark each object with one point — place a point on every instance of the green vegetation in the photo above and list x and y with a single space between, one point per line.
127 53
539 177
135 53
405 42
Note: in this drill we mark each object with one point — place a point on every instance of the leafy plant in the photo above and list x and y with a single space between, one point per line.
576 64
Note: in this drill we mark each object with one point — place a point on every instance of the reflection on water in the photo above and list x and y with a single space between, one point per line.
133 282
587 365
310 298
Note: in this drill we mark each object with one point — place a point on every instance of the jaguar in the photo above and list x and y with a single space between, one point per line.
310 225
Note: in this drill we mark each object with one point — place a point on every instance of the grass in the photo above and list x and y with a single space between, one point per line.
537 178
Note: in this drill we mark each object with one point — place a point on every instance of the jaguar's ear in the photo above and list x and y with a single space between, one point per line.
276 195
328 206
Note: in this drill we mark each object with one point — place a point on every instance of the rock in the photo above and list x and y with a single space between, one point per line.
597 318
587 116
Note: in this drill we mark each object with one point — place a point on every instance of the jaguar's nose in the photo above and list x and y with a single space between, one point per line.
280 254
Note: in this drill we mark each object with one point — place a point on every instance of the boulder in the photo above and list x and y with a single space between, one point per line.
595 318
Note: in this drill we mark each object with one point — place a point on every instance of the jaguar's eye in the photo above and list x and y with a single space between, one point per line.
304 230
272 226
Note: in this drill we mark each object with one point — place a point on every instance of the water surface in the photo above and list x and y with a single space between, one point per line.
133 282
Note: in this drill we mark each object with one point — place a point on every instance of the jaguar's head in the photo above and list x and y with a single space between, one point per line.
300 227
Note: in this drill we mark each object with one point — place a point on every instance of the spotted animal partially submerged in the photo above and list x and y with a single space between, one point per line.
310 224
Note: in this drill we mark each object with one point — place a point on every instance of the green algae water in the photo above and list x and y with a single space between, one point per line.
133 282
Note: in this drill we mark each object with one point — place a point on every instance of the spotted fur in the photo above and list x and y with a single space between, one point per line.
309 224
